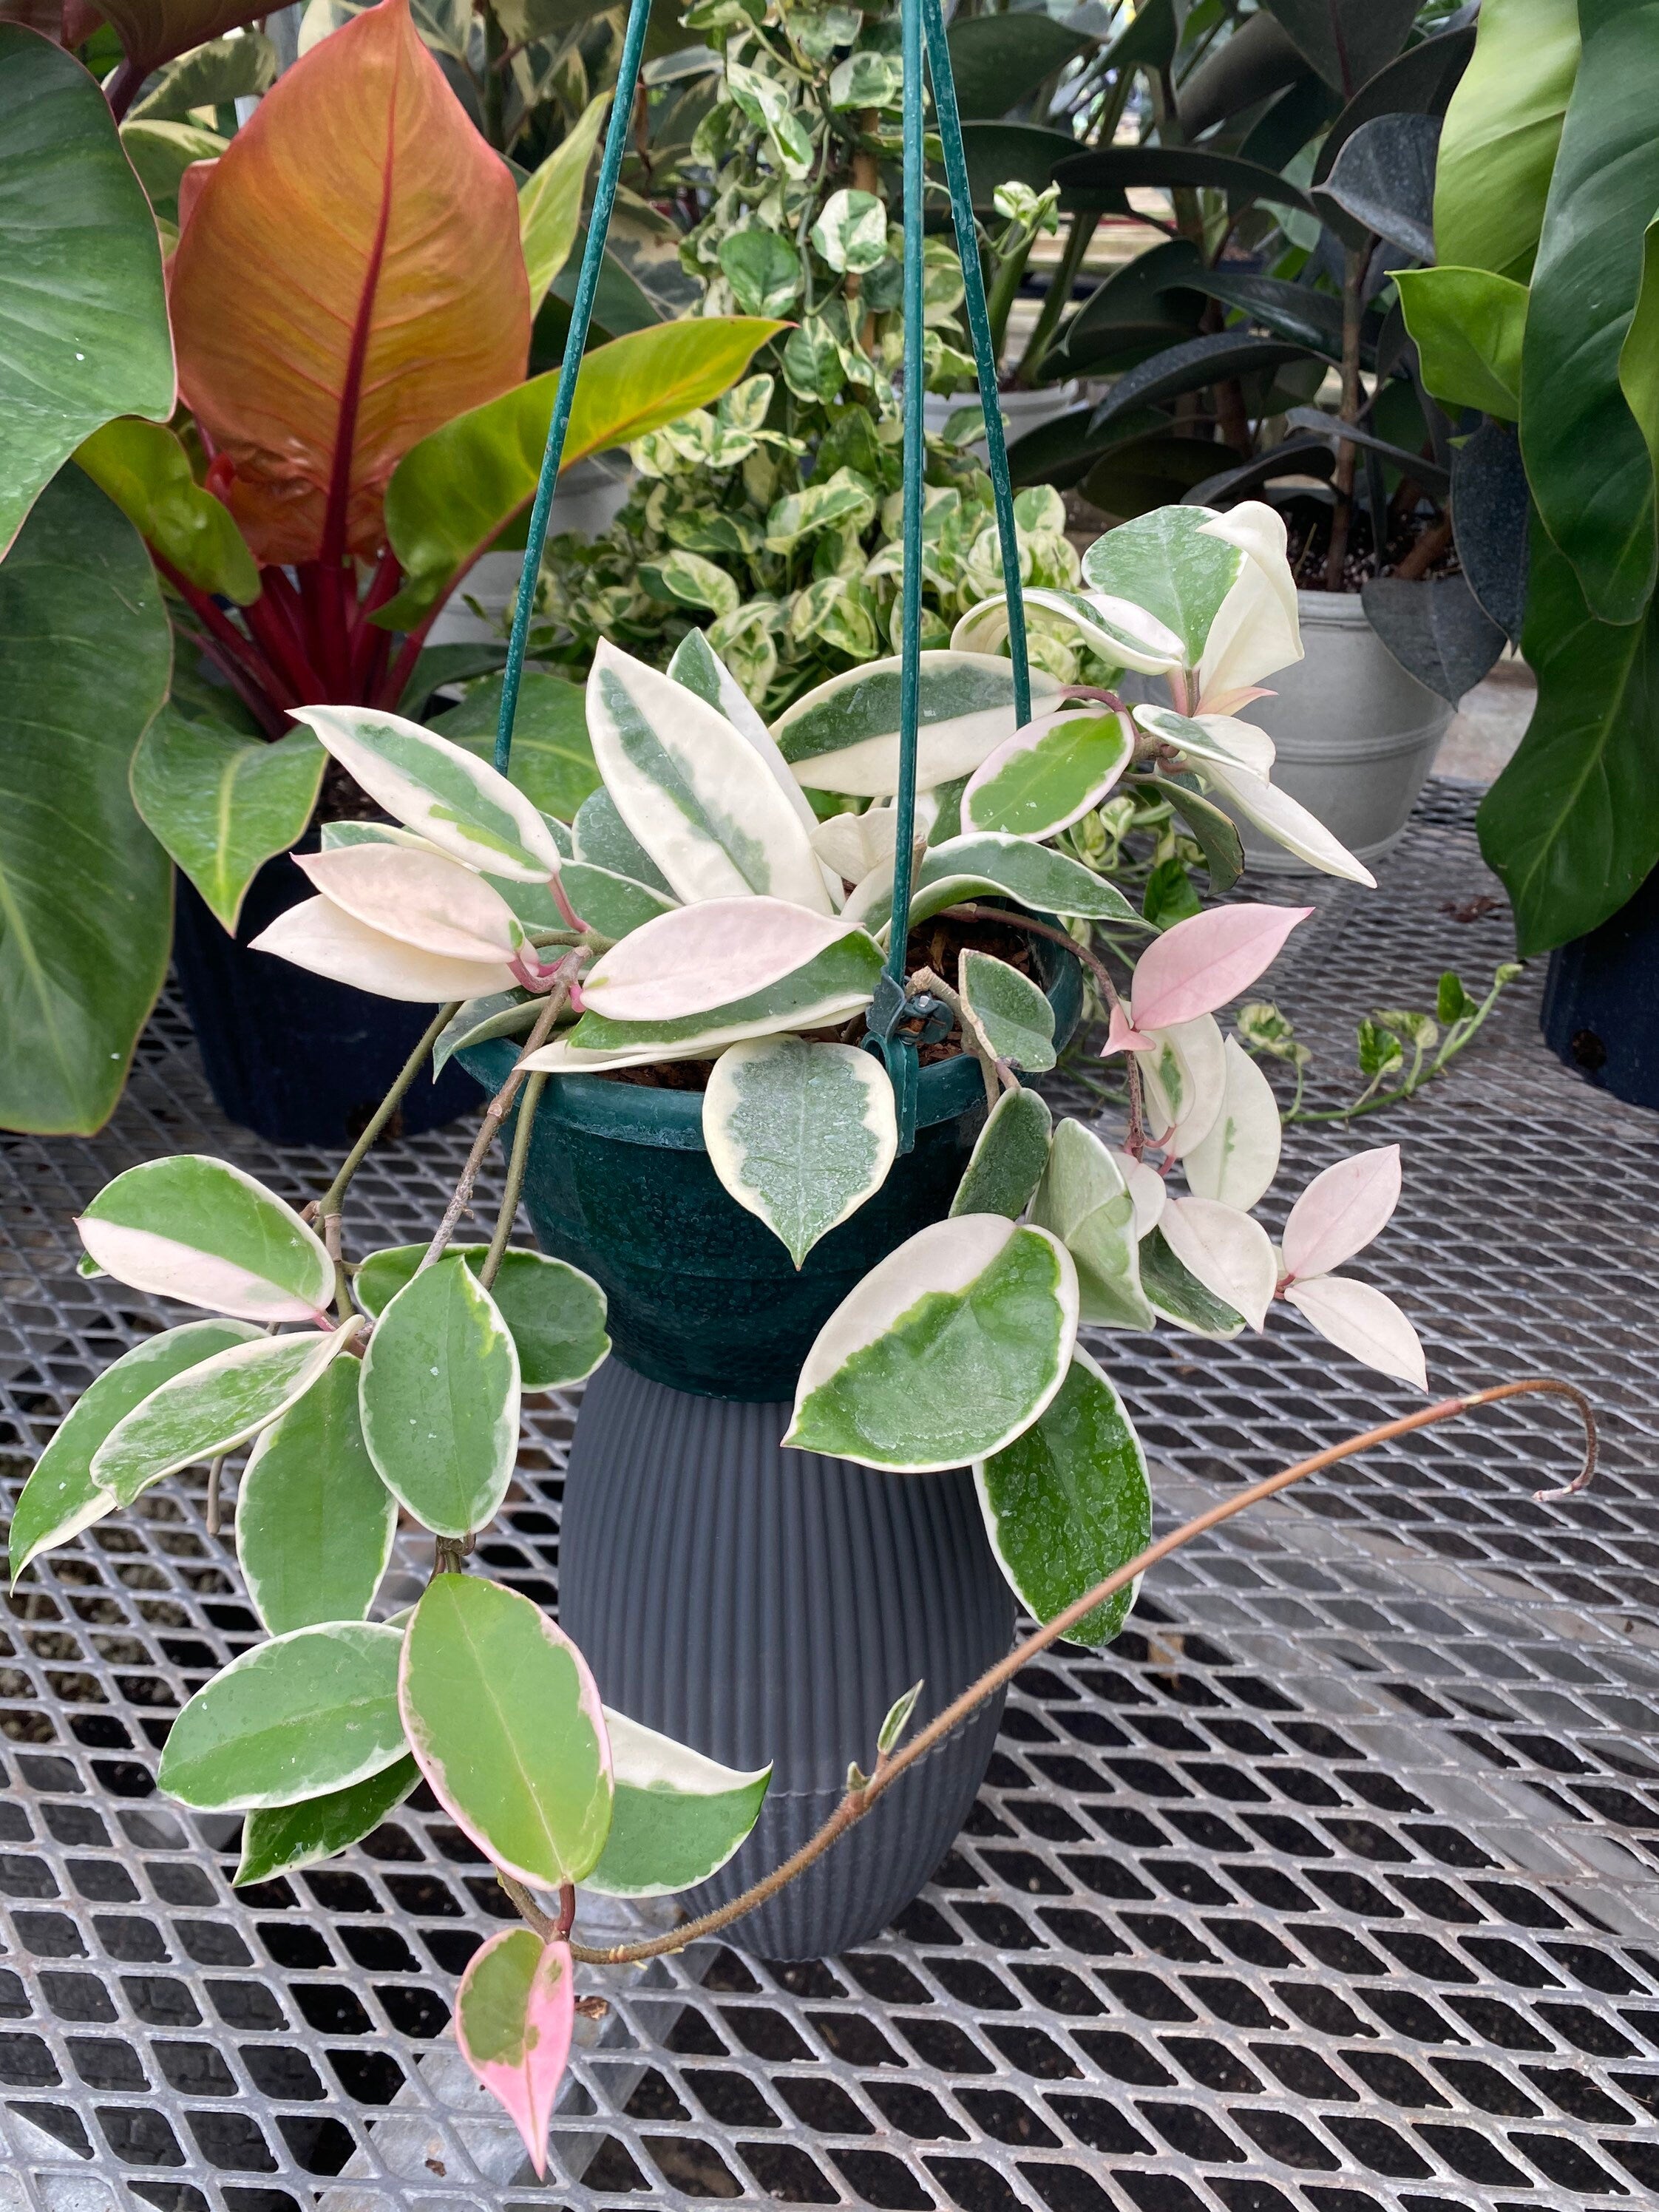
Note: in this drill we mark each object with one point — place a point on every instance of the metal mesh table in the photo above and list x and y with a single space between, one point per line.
1332 1887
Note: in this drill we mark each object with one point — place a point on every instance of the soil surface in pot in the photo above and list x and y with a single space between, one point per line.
1413 539
938 944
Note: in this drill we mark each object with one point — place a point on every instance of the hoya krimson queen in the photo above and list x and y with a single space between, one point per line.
697 909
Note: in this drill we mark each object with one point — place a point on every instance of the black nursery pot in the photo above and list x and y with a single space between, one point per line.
1601 1012
770 1605
297 1058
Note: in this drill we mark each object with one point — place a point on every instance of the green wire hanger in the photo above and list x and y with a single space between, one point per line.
921 20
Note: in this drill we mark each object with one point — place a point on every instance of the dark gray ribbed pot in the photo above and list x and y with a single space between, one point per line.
759 1604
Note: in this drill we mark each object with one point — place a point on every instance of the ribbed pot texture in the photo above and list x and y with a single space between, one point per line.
761 1604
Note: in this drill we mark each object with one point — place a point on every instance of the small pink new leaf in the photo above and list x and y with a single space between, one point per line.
514 2014
1203 962
1122 1035
1341 1211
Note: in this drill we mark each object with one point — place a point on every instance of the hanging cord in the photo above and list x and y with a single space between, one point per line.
598 225
985 361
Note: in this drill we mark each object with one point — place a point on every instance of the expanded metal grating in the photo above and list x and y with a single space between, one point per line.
1333 1887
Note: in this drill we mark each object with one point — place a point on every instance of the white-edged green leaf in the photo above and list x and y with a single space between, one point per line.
515 2014
1186 1079
851 231
441 1399
213 1406
437 787
1175 1295
697 666
555 1313
989 862
1013 1011
612 905
712 953
1067 1504
551 761
1049 774
1256 630
1148 1189
694 791
342 836
498 1013
322 937
314 1521
201 1231
1357 1318
604 840
1223 738
678 1817
800 1134
282 1839
221 804
423 900
505 1721
1171 564
853 845
827 990
1119 631
1084 1200
304 1715
1229 1252
945 1352
1237 1157
1286 821
844 734
60 1497
1008 1159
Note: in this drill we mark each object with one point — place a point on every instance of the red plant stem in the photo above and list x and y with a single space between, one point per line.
241 659
123 86
371 645
274 635
373 669
403 666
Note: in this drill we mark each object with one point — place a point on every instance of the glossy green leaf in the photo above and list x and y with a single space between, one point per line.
1346 41
997 60
552 762
1215 833
441 1399
454 493
678 1817
83 317
1588 463
1068 1503
1468 325
497 1013
1084 1200
223 804
1498 143
1101 178
198 1229
1049 774
612 906
945 1352
314 1521
60 1497
506 1726
604 840
551 201
993 864
212 1408
763 269
1178 1296
1572 824
84 888
555 1312
307 1714
1008 1159
282 1838
843 735
800 1133
1013 1011
1639 357
144 469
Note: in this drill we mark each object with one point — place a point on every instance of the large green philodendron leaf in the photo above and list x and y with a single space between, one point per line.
223 804
1014 1015
1008 1159
441 1399
85 890
83 315
282 1838
212 1408
1068 1503
551 201
1588 463
60 1497
678 1816
144 469
1498 144
504 1718
991 863
197 1229
694 791
1572 824
551 762
800 1133
1469 326
1084 1200
843 735
555 1312
306 1714
314 1521
945 1353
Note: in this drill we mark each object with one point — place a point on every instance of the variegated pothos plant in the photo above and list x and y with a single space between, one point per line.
698 908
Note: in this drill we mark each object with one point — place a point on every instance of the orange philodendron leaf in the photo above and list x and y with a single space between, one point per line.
348 278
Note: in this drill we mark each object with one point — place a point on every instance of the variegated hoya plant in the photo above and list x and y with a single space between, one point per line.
697 908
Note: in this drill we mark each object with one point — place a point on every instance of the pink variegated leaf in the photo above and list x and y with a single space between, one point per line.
1234 702
1341 1211
714 953
1358 1319
514 2014
1122 1035
1201 963
318 935
422 899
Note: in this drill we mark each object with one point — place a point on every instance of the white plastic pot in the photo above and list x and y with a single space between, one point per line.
1355 735
590 496
1022 411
